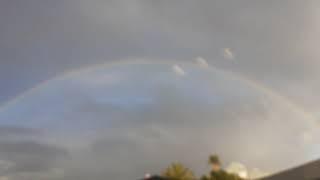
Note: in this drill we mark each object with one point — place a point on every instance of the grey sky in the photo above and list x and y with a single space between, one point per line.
273 43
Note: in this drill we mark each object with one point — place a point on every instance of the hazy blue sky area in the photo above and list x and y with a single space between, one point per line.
107 89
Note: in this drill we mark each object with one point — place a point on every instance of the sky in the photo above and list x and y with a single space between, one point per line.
154 68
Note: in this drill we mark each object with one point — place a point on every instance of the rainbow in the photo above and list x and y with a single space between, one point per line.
237 77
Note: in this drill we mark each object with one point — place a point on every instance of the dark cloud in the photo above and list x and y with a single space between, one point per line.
20 152
29 156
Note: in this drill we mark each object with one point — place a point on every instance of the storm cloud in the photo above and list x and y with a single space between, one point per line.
24 156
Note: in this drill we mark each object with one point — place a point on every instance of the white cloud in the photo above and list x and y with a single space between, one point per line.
256 173
238 168
178 70
202 62
227 53
244 172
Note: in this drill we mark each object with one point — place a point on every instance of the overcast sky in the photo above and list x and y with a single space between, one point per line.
271 43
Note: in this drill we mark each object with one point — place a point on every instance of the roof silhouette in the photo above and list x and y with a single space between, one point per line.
309 171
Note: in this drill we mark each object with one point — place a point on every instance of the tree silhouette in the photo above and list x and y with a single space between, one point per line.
217 173
176 171
214 159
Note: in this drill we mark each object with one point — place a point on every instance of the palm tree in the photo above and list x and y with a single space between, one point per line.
217 173
215 163
176 171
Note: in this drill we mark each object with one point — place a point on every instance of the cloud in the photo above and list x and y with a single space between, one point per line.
113 127
178 70
202 62
244 172
22 153
28 157
238 168
52 174
5 165
227 53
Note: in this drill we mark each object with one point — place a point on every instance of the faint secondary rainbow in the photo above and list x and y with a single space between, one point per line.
238 77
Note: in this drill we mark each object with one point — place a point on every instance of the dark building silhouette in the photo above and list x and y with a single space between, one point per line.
309 171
